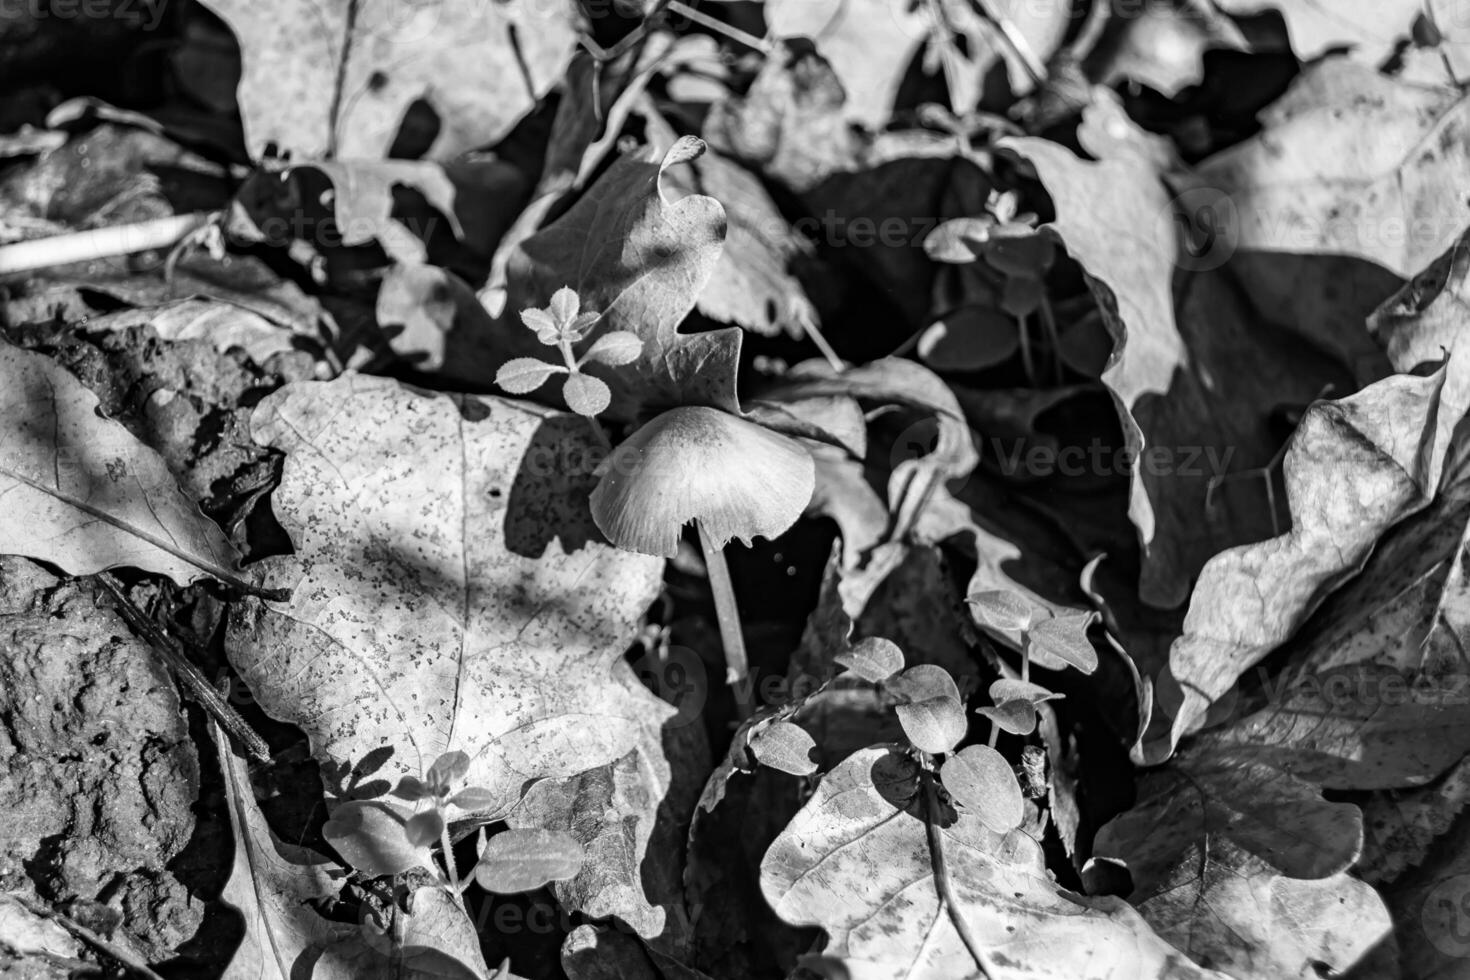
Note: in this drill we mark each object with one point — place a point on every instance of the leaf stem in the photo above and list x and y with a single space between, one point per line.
737 664
941 873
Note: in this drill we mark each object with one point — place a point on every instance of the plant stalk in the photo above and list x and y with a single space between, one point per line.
941 875
737 664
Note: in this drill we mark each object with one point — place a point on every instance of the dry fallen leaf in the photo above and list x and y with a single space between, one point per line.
435 614
82 493
333 79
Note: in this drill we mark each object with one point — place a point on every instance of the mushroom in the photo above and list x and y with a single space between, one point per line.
730 477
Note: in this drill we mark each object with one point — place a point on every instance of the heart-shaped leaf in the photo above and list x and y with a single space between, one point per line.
1014 708
1063 638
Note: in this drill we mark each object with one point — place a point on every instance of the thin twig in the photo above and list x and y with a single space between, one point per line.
720 27
941 876
99 243
187 673
86 935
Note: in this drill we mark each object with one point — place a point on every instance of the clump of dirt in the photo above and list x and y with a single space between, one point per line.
97 765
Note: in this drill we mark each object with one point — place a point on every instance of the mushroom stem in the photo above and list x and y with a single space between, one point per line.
737 665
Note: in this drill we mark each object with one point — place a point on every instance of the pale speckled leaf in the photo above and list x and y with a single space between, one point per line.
854 864
325 78
451 590
82 493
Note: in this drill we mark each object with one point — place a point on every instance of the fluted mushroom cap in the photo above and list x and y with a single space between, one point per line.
737 479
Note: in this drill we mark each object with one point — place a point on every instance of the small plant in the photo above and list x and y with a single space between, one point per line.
376 840
562 324
1014 257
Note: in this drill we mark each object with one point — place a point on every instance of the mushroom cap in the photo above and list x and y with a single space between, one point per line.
693 463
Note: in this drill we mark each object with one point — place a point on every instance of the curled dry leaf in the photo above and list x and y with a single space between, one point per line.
1354 469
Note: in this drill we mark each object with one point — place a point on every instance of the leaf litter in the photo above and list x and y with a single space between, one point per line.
1069 409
